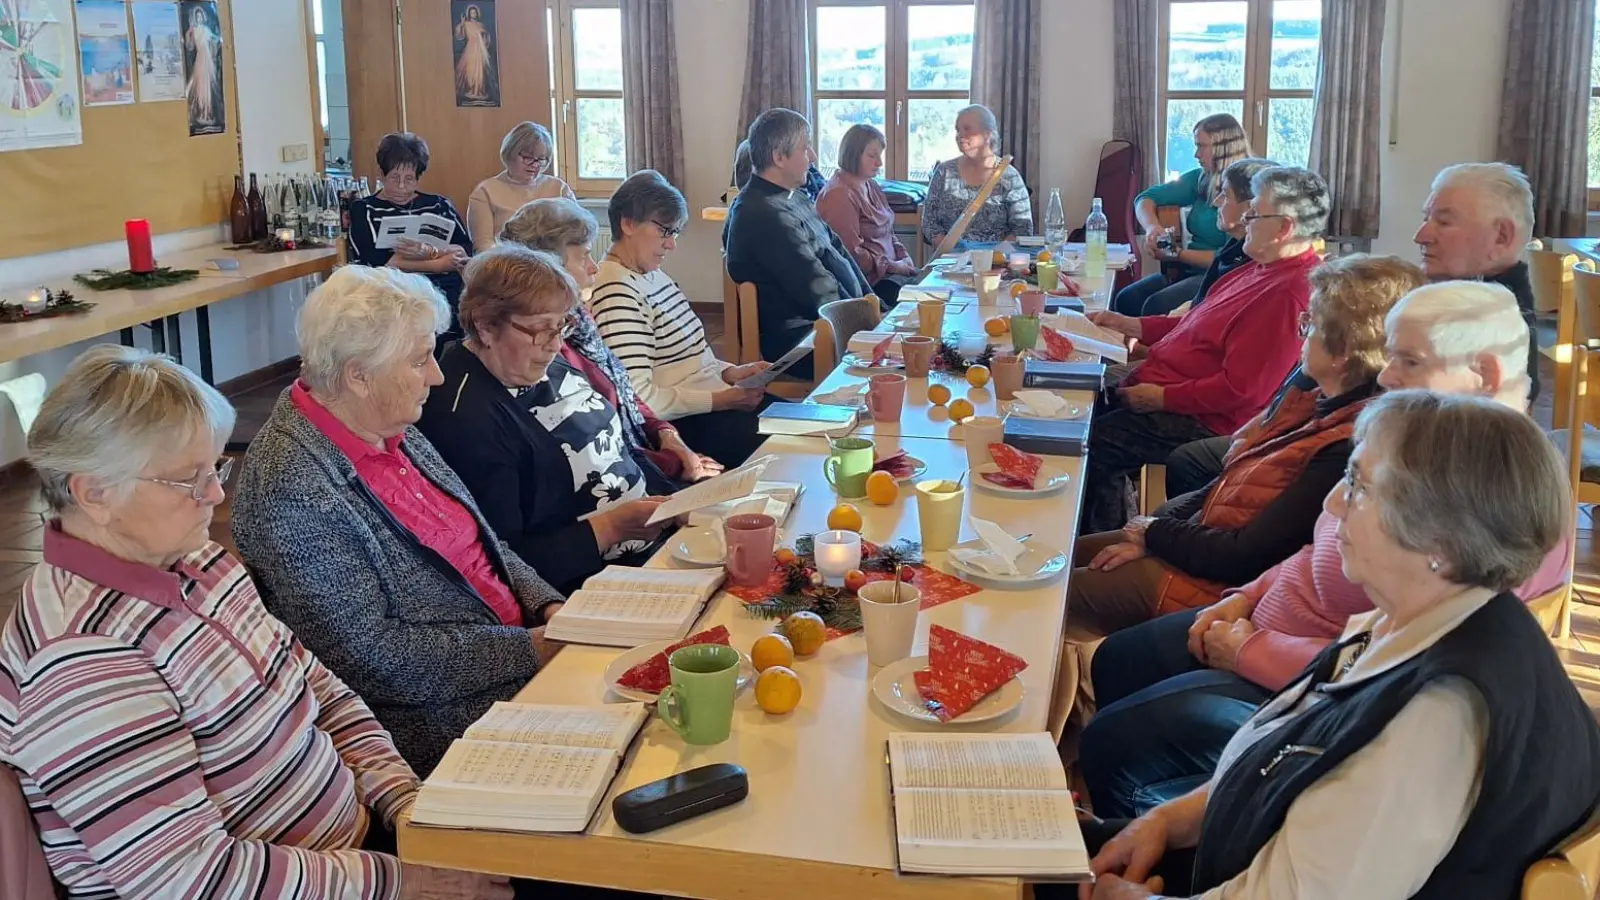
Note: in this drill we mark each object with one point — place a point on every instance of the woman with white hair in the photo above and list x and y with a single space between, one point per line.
1007 213
1438 748
171 737
525 153
364 540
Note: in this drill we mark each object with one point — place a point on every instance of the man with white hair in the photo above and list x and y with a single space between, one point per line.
1476 223
1458 337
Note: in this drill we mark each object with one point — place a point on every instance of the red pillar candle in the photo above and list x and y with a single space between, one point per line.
140 258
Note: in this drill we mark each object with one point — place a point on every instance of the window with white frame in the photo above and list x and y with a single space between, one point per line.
586 94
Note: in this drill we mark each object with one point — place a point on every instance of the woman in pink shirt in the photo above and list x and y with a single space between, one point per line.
855 207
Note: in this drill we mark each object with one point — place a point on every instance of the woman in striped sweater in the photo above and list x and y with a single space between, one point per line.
172 738
647 321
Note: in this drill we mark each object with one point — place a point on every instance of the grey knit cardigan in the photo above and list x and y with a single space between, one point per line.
391 617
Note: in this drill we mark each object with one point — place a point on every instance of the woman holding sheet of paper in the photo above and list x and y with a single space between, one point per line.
541 450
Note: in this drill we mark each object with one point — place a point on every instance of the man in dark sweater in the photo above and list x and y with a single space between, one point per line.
1476 223
776 240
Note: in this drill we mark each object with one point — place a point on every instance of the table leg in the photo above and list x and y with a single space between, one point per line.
126 336
202 321
175 338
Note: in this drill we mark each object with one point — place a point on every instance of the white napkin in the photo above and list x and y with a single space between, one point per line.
850 395
1037 404
862 343
1003 550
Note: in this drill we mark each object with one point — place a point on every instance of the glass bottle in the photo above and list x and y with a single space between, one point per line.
239 214
1095 231
258 210
1055 221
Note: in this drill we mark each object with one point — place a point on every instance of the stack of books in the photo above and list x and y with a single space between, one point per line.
624 606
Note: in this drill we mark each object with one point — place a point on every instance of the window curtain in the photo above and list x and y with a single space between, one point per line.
650 108
1135 74
1346 125
1005 78
1544 108
777 66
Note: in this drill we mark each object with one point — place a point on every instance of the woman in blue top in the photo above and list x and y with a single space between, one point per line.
1219 142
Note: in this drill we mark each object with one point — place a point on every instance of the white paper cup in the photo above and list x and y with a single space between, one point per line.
979 432
982 260
888 626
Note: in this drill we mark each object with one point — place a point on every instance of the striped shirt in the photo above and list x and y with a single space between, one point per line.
647 321
173 739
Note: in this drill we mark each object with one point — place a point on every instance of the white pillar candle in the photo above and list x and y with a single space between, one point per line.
36 301
837 553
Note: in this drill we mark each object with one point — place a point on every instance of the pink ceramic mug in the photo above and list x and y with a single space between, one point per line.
886 396
1032 303
751 540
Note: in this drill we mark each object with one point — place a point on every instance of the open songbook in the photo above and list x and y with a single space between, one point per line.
730 485
984 804
623 606
529 767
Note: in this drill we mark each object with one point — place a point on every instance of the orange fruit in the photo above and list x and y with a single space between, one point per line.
778 690
938 394
999 260
771 650
882 489
805 632
1044 256
845 517
784 556
995 326
978 375
1018 288
961 410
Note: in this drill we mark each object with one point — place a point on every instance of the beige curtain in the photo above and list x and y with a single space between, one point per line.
1345 128
1005 77
650 110
1544 108
777 66
1137 66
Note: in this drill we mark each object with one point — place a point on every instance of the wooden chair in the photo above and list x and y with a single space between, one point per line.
749 329
1552 607
1577 323
1551 274
836 322
732 340
1581 406
1571 872
1152 488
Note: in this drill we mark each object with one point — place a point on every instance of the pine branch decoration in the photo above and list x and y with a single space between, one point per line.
161 276
947 357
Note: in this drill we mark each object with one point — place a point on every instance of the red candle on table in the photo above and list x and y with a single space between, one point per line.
140 258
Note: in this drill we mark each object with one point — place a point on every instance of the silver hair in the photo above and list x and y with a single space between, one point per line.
1467 319
646 196
551 224
1300 194
1472 483
1504 185
774 132
367 318
523 136
987 120
114 413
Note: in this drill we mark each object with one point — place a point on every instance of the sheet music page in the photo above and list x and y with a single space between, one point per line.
609 726
989 818
980 761
626 606
654 581
524 768
719 489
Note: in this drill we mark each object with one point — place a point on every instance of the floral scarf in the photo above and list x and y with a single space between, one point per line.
585 338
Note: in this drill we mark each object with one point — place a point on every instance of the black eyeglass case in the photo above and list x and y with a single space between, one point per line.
679 797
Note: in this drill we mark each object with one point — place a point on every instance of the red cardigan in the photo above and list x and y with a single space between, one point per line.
1222 362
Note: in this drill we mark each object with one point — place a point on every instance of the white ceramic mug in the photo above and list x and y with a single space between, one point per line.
889 627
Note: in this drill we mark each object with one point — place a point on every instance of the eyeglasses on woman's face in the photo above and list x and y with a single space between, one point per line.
1253 216
538 163
549 336
668 232
200 487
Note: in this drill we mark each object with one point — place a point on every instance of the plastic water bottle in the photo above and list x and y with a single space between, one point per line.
1094 261
1055 221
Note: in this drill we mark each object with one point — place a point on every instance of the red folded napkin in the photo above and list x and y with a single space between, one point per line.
880 352
654 674
961 671
1066 287
1057 346
1018 469
896 464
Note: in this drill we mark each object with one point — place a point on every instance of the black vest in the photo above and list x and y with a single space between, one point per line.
1541 759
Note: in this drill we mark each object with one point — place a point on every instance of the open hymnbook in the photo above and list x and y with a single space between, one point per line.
529 767
984 804
624 606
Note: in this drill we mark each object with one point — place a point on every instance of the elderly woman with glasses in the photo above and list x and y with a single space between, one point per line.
364 540
525 152
646 320
953 184
171 737
1438 748
541 450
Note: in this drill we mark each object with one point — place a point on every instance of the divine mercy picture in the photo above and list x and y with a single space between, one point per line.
476 54
202 66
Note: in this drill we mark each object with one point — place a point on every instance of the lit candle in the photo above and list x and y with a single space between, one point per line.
141 260
36 301
286 237
837 553
1019 262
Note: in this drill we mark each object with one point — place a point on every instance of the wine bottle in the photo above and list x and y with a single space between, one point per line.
239 214
258 211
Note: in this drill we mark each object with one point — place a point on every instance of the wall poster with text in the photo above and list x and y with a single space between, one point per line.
39 101
105 52
158 50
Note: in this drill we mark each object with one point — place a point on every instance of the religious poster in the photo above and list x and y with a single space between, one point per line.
202 66
158 50
39 103
104 52
477 54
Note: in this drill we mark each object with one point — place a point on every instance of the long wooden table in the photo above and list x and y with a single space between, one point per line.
123 310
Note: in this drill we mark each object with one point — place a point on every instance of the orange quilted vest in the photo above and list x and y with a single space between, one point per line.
1267 455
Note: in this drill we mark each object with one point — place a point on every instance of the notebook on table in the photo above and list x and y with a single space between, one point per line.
624 606
805 418
984 804
529 767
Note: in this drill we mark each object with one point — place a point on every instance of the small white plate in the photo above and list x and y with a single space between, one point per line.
854 363
1015 408
630 658
1037 565
701 546
1051 479
895 686
917 468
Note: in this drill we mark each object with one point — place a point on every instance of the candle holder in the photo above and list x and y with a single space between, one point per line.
286 238
837 552
36 301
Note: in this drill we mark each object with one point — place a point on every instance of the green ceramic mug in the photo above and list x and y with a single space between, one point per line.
698 704
848 464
